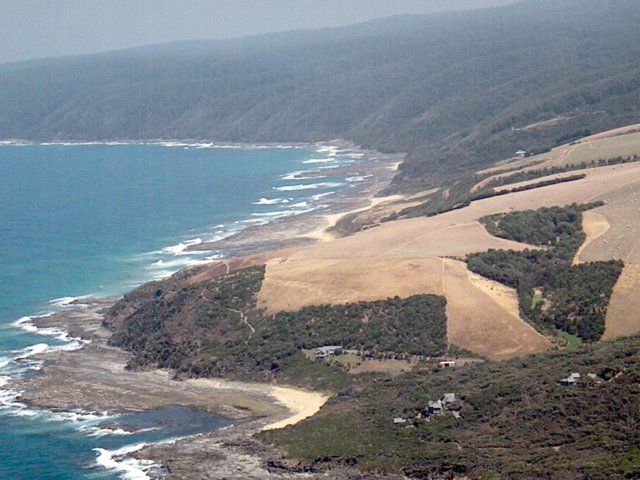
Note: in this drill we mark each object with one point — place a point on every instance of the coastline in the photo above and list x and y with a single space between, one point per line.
93 376
310 227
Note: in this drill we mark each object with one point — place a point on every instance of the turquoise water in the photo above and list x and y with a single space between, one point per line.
97 220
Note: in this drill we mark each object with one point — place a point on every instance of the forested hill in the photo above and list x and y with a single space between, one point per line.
453 90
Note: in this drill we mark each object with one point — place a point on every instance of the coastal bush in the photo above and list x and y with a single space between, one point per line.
515 419
572 298
214 328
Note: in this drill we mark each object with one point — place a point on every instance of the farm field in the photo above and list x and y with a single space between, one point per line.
483 321
413 256
616 232
603 146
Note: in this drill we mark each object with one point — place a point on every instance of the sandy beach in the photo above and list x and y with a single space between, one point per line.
94 378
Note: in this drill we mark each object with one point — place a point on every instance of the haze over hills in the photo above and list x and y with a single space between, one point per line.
466 331
454 90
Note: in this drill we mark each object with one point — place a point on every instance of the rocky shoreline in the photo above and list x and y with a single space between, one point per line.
95 378
378 169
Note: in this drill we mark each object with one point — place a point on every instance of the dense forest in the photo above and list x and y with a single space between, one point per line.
214 328
552 292
453 90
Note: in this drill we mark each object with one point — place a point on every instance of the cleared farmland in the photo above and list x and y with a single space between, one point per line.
405 258
477 322
603 146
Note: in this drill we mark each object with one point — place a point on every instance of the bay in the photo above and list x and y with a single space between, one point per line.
99 219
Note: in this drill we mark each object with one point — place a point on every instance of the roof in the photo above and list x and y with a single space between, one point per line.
449 398
574 375
328 348
435 404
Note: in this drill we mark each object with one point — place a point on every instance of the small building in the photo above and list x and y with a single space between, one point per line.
399 420
449 398
434 407
327 351
447 364
521 153
570 380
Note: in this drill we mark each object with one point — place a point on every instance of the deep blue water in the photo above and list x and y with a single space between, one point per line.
97 220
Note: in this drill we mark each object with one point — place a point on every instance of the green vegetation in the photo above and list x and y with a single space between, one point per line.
573 341
516 421
454 90
552 292
213 329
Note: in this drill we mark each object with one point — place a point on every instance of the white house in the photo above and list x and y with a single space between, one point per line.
327 351
435 407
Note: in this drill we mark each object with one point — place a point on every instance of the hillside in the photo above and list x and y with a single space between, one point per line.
455 90
213 329
514 421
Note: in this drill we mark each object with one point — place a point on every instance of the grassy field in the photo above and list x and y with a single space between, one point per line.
573 341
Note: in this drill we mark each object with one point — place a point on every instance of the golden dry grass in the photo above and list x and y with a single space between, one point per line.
405 258
622 142
479 323
623 315
290 285
594 225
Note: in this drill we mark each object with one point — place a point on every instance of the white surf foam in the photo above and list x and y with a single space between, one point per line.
318 196
310 186
25 323
129 468
105 432
319 160
180 248
326 149
31 350
296 187
358 178
271 201
301 175
175 265
63 301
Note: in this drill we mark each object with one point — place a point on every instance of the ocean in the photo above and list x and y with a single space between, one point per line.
99 219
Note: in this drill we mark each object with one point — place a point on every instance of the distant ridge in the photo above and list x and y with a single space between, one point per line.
454 90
